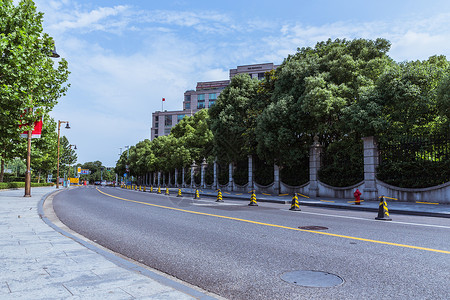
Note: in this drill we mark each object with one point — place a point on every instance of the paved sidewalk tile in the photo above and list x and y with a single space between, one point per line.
37 262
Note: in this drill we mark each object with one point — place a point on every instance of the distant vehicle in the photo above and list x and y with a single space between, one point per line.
103 182
97 183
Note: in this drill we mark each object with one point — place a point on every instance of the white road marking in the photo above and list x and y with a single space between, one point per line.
356 218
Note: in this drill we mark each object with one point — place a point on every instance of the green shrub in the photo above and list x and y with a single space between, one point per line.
16 185
415 174
343 163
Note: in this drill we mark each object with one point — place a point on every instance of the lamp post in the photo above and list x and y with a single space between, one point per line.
54 54
28 172
57 161
126 166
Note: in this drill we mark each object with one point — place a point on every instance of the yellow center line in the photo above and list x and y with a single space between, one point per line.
327 201
276 226
427 203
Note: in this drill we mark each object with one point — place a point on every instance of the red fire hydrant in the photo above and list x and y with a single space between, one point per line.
357 195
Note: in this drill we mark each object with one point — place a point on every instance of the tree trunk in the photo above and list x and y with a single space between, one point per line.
2 169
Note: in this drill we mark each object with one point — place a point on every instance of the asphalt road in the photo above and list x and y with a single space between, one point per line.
241 252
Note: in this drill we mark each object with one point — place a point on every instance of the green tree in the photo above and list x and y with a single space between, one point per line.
194 139
232 119
408 98
29 84
43 151
311 93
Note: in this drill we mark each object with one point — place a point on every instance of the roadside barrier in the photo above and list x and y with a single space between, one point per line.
253 199
151 189
294 203
140 189
196 195
383 212
219 196
144 188
167 191
159 190
179 193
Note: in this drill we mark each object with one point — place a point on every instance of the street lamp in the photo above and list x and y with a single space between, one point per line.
126 166
57 161
54 54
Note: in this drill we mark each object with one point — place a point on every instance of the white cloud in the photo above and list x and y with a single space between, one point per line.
116 86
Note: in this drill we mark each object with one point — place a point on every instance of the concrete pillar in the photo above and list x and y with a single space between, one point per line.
203 170
250 173
315 152
176 177
193 166
164 178
276 179
154 178
216 181
183 184
169 182
159 178
230 176
371 160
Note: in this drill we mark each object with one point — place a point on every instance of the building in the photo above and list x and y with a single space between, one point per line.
204 96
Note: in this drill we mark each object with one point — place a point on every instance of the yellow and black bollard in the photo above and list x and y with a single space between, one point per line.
219 196
151 189
159 190
167 191
383 212
196 195
179 193
294 204
253 199
144 188
140 188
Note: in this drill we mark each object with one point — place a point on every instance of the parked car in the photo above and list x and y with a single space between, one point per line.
97 183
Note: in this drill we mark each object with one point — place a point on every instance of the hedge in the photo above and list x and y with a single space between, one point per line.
16 185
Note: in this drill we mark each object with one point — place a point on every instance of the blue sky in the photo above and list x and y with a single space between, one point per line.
126 55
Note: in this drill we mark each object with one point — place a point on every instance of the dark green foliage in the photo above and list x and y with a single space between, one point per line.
263 171
415 174
343 163
240 175
295 175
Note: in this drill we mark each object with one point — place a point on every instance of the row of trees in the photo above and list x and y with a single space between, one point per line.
339 90
30 86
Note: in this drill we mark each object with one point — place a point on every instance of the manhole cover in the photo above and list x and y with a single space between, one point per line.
313 227
312 278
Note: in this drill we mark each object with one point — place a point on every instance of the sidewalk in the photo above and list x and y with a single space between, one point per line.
41 261
408 208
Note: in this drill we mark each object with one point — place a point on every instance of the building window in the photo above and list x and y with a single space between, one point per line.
201 97
156 131
187 98
167 131
260 76
200 104
156 118
179 118
156 125
212 96
211 103
168 121
187 105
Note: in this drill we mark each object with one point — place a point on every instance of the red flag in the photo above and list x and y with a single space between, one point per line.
36 132
164 99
